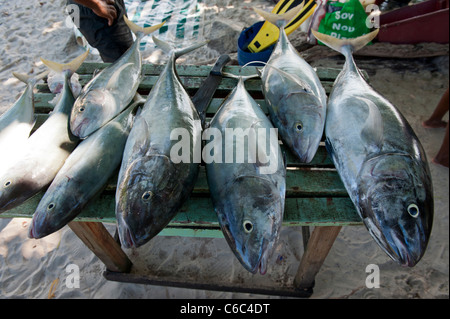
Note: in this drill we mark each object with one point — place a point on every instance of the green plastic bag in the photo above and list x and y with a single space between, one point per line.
344 20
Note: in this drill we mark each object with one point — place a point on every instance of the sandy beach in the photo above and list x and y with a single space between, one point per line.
38 269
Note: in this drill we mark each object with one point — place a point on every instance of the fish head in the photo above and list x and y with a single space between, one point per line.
396 202
91 111
251 219
300 120
15 189
53 212
144 199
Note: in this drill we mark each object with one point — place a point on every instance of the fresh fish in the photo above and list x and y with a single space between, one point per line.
152 185
379 159
45 150
248 195
111 90
295 97
16 123
84 174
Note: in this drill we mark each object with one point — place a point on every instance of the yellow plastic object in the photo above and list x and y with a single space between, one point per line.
268 34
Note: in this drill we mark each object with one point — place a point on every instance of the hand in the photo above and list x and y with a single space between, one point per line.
102 8
106 9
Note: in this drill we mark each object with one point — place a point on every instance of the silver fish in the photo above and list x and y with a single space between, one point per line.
84 174
45 150
111 90
248 197
152 185
294 94
379 159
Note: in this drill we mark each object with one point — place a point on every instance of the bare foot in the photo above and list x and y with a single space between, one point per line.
434 124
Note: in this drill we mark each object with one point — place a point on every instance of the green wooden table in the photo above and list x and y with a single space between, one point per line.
315 196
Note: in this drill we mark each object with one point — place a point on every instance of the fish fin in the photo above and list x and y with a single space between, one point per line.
25 78
141 131
167 48
239 77
137 29
292 77
70 67
372 132
338 44
113 79
280 20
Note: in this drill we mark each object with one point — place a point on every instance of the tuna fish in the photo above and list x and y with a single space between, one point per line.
84 174
248 194
45 150
295 97
111 90
379 159
152 185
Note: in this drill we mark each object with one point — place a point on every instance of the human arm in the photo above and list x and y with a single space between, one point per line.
102 8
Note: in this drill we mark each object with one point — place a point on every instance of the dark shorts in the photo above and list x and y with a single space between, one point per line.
110 41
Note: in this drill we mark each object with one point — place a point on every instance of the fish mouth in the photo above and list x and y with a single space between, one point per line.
397 244
31 230
261 264
126 238
78 129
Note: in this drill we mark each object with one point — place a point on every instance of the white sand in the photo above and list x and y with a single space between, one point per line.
28 268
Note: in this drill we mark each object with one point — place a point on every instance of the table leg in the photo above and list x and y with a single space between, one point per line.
319 244
97 238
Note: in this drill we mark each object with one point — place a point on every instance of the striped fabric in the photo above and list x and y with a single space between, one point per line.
184 20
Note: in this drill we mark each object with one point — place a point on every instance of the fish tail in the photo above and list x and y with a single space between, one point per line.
167 48
69 68
280 20
30 79
343 45
239 77
144 31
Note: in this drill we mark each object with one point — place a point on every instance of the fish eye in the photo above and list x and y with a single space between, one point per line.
146 196
413 210
81 109
50 206
7 183
298 126
248 226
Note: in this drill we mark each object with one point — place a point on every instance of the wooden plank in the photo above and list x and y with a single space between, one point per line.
198 212
171 281
319 245
200 70
102 244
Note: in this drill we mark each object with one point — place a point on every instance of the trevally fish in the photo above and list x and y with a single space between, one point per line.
111 90
45 150
152 184
294 94
379 159
84 174
248 193
17 122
